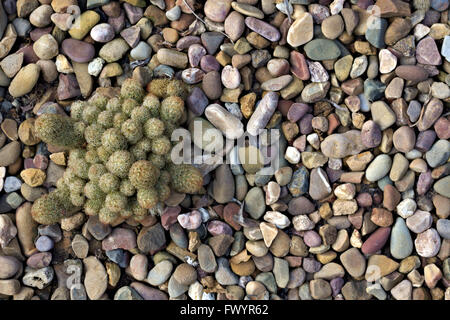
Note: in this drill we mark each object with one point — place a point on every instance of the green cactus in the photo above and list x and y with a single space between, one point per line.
186 178
140 114
147 198
131 89
113 140
151 102
109 182
132 130
119 164
107 216
128 105
161 145
106 119
51 208
58 130
143 174
165 87
115 201
153 128
172 109
93 134
76 110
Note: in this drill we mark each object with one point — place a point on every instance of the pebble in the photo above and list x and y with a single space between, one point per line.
419 221
24 81
263 28
119 238
353 262
301 31
141 51
427 52
378 168
80 246
388 61
443 227
376 31
44 243
438 154
9 267
321 186
102 32
127 293
342 145
322 49
227 123
299 184
95 280
412 73
263 113
39 260
160 273
406 208
401 244
370 134
376 241
428 243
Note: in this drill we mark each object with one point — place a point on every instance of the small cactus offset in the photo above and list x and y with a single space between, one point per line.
119 162
50 126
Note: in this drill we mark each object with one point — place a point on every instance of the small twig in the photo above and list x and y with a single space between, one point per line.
195 15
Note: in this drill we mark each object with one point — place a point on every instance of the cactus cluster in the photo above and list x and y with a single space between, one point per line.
119 148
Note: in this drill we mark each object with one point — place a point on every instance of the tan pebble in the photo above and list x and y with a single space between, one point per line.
27 134
33 177
59 158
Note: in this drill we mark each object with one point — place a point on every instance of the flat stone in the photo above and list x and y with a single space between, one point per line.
301 31
427 52
322 49
151 239
95 280
378 266
354 262
160 273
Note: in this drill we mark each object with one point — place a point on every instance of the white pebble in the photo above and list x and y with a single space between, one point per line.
313 140
406 208
292 155
95 66
141 52
174 13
